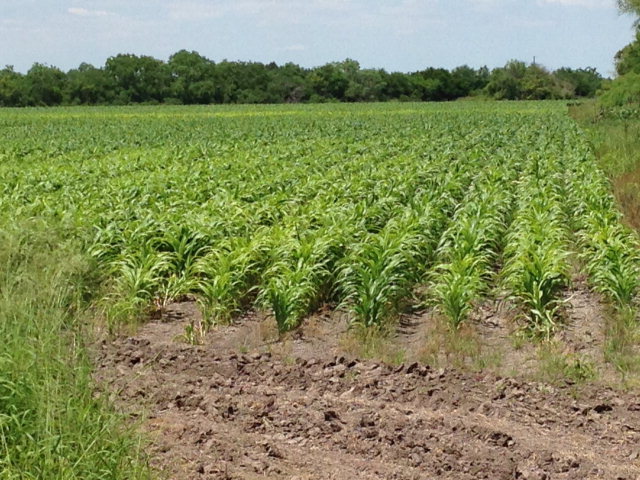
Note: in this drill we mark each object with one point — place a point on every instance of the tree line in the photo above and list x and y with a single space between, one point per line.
190 78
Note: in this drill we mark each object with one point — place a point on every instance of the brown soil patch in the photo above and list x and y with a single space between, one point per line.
247 405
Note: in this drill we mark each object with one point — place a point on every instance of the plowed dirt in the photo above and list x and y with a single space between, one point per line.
238 407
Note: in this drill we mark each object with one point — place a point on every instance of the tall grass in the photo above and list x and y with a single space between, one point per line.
616 143
51 426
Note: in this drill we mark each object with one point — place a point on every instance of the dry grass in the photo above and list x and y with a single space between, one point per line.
372 343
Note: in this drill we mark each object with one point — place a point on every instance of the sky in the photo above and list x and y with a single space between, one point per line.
397 35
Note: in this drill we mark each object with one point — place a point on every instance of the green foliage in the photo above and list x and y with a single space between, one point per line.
629 6
44 85
628 59
137 79
377 276
52 425
88 85
460 283
190 78
225 279
581 82
379 204
622 91
12 87
519 81
228 207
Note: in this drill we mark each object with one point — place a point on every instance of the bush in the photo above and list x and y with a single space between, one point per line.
624 90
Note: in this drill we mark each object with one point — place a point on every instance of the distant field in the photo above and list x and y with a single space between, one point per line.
291 207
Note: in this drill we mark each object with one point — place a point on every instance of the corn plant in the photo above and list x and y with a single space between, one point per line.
471 245
458 286
537 269
377 201
376 277
227 278
609 251
299 276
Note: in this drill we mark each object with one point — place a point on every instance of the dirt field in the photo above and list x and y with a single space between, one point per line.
245 406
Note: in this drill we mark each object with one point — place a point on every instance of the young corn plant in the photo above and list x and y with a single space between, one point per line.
610 252
537 268
614 265
183 246
227 278
137 279
459 284
471 244
376 275
296 282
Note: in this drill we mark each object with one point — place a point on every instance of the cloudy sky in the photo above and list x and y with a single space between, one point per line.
398 35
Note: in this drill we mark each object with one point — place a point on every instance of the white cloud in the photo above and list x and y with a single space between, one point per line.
269 11
582 3
491 4
295 48
83 12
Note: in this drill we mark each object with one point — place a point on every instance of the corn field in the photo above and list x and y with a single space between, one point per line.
367 208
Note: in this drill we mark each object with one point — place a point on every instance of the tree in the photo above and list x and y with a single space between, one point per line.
192 77
628 59
329 82
622 91
506 83
398 86
44 85
434 84
138 79
288 84
539 84
581 82
371 85
11 87
629 6
88 85
466 80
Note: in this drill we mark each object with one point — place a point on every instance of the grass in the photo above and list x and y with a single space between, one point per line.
373 344
52 426
621 347
459 348
556 367
616 142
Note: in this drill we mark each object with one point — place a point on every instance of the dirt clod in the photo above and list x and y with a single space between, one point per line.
215 413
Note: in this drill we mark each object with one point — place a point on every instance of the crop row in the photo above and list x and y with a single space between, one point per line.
357 207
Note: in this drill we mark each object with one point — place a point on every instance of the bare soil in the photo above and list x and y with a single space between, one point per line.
247 404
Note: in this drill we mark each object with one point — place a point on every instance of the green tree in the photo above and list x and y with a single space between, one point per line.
628 59
506 83
288 84
88 85
138 79
44 85
581 82
466 80
329 82
11 87
192 77
398 86
371 85
622 91
629 6
539 84
434 84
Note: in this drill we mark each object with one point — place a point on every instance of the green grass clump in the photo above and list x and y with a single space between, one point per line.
51 424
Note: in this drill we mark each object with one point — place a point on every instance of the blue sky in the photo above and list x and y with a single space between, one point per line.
398 35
